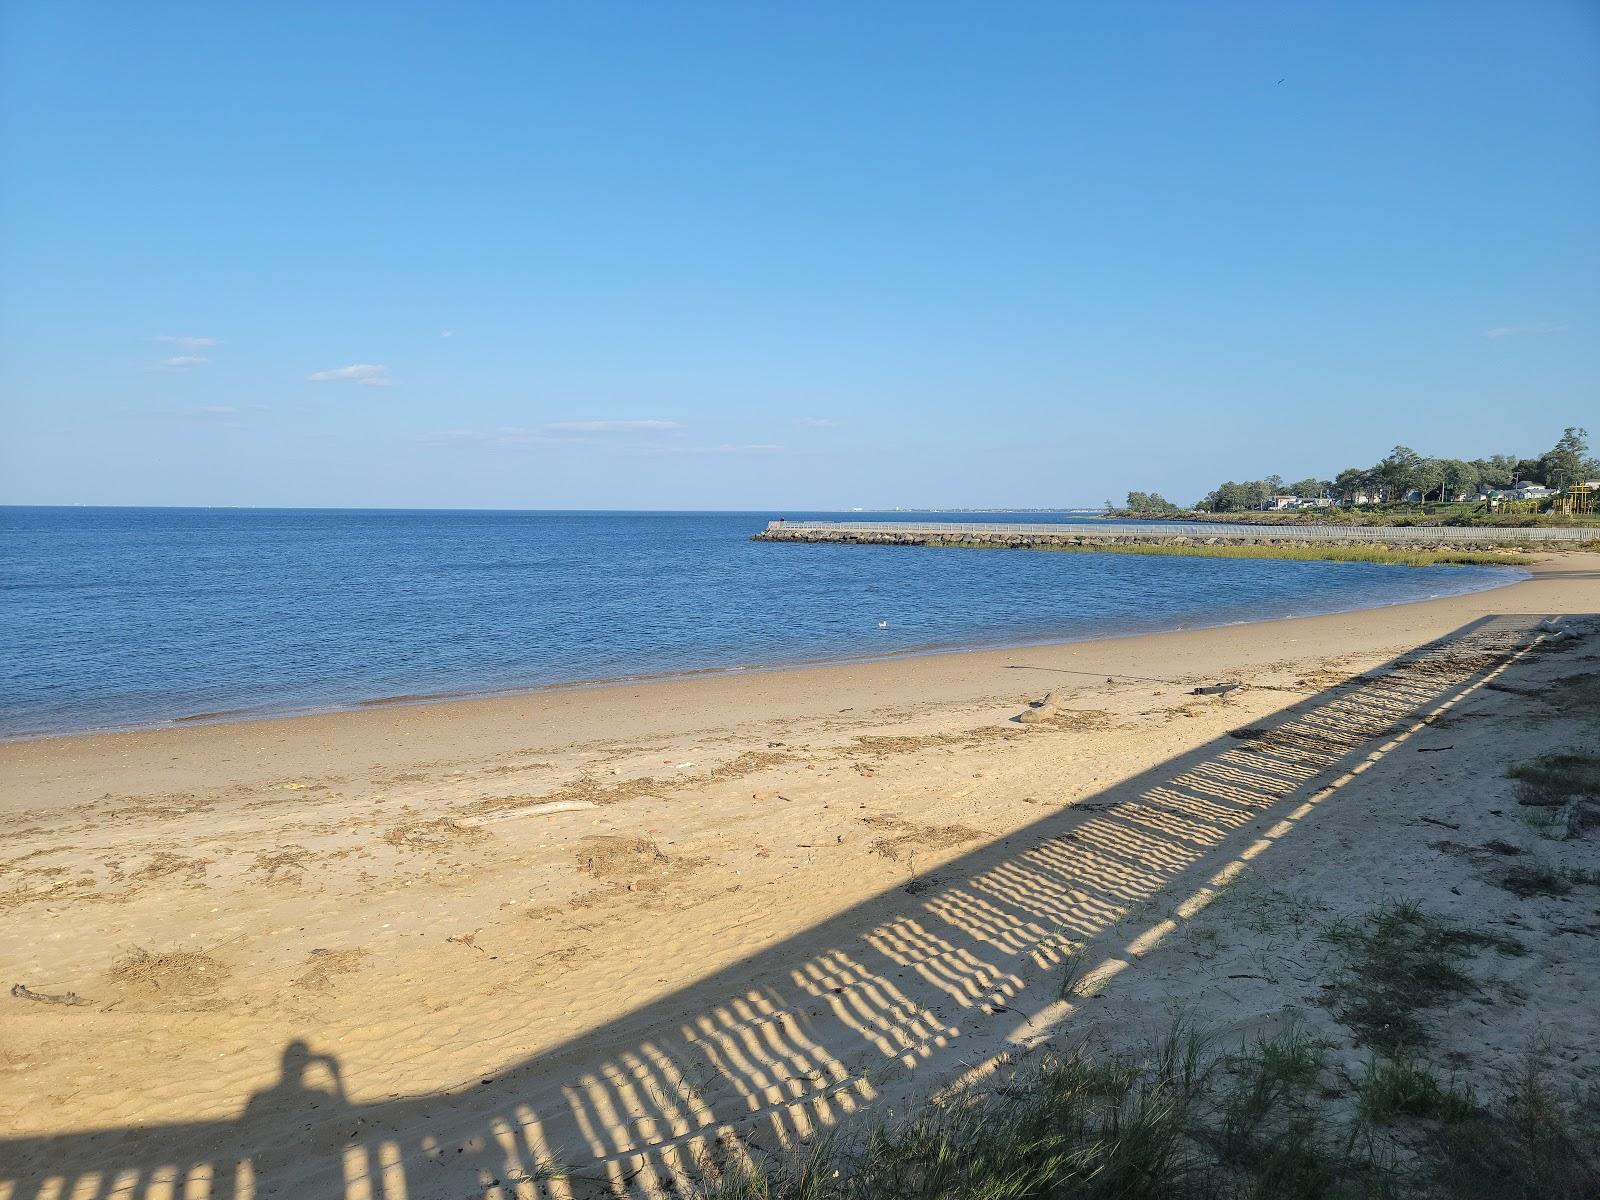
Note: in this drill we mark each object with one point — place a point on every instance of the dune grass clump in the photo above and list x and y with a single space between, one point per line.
1535 879
1395 1088
1272 1119
1531 1143
1183 1123
1399 962
1553 779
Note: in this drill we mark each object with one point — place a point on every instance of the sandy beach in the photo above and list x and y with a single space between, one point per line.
417 951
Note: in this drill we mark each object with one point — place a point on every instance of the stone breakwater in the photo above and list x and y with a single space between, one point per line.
1453 538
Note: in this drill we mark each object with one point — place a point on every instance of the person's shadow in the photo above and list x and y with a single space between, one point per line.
293 1092
298 1124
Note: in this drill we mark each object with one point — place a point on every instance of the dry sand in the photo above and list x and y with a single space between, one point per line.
414 951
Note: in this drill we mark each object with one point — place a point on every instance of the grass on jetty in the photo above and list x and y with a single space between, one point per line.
1423 556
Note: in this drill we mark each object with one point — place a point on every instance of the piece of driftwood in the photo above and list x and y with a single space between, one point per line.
1215 689
546 809
23 992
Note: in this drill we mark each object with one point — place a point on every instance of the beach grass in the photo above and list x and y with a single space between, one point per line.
1189 1118
1423 556
1182 1122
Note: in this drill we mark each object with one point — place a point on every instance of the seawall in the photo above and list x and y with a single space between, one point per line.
1044 537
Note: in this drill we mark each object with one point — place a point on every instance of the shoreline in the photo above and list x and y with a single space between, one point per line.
235 716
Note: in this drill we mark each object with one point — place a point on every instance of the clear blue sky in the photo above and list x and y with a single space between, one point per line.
785 256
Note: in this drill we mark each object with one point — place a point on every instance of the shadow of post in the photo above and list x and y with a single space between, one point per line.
822 1024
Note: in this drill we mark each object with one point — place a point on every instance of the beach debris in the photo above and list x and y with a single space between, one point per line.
548 808
323 965
1216 689
442 833
1433 749
903 839
1040 710
23 992
182 977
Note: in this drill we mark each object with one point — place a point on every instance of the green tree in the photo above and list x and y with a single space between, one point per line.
1399 472
1563 464
1459 478
1150 502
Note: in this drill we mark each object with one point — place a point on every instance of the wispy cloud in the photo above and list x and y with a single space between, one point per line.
817 423
178 362
1505 331
188 343
724 448
611 426
371 374
209 412
616 433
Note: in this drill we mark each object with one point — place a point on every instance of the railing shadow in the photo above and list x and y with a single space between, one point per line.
822 1024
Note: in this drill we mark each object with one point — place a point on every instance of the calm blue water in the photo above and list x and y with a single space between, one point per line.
119 617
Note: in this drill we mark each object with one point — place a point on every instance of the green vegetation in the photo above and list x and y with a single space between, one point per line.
1403 471
1420 557
1398 962
1553 779
1468 514
1527 1145
1535 879
1403 1088
1274 1118
1146 502
1183 1123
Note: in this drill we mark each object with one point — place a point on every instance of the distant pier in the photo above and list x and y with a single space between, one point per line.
1040 536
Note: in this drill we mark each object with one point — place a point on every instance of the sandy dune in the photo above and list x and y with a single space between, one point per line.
417 951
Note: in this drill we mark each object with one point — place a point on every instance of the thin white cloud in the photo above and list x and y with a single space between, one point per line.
1505 331
725 448
188 343
817 423
447 333
178 362
371 374
612 426
553 433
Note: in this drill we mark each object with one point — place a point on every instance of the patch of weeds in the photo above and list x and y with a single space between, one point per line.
1398 962
1535 879
808 1176
1392 1088
1545 821
1072 1126
1272 1130
1553 779
1577 696
1528 1145
1272 909
1207 941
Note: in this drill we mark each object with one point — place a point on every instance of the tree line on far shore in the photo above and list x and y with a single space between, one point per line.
1397 475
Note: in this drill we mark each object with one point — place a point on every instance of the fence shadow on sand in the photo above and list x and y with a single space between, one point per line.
823 1024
